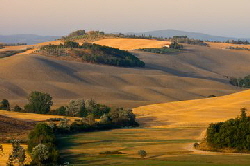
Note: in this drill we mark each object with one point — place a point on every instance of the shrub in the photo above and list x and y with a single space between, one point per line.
40 154
211 96
17 109
142 153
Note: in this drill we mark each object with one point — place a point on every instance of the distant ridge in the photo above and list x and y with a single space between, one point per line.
194 35
26 38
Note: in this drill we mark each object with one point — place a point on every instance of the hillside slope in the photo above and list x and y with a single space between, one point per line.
193 113
197 72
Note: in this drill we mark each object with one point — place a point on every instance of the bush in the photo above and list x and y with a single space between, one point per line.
142 153
40 154
17 109
5 105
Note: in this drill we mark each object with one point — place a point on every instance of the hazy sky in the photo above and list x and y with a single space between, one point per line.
59 17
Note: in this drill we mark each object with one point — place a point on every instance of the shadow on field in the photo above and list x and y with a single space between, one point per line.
151 121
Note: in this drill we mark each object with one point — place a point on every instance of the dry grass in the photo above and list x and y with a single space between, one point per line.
132 44
30 117
226 45
192 113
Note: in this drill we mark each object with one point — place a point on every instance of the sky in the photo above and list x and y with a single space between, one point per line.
60 17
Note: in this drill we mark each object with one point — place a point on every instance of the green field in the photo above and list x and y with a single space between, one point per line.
165 146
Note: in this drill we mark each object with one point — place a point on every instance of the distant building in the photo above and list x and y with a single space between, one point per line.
167 45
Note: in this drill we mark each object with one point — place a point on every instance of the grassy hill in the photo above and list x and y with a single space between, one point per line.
196 72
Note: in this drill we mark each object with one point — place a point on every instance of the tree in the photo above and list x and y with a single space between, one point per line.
39 102
41 134
40 153
17 154
5 105
76 108
77 33
142 153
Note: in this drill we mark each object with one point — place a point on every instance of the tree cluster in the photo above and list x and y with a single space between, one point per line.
189 41
241 82
233 134
116 118
42 145
93 53
238 42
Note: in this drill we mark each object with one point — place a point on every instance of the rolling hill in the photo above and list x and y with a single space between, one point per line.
197 72
193 113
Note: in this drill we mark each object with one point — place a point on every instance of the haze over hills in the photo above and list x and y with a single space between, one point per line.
26 38
34 39
194 35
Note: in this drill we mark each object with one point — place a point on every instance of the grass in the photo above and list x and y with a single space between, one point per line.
164 146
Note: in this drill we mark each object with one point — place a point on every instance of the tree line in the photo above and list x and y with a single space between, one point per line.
241 82
233 133
93 53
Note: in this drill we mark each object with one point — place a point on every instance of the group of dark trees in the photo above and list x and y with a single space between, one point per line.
185 39
241 82
238 48
142 36
233 134
238 42
87 36
93 53
116 118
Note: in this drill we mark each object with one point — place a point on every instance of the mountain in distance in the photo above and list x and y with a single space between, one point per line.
26 38
192 35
